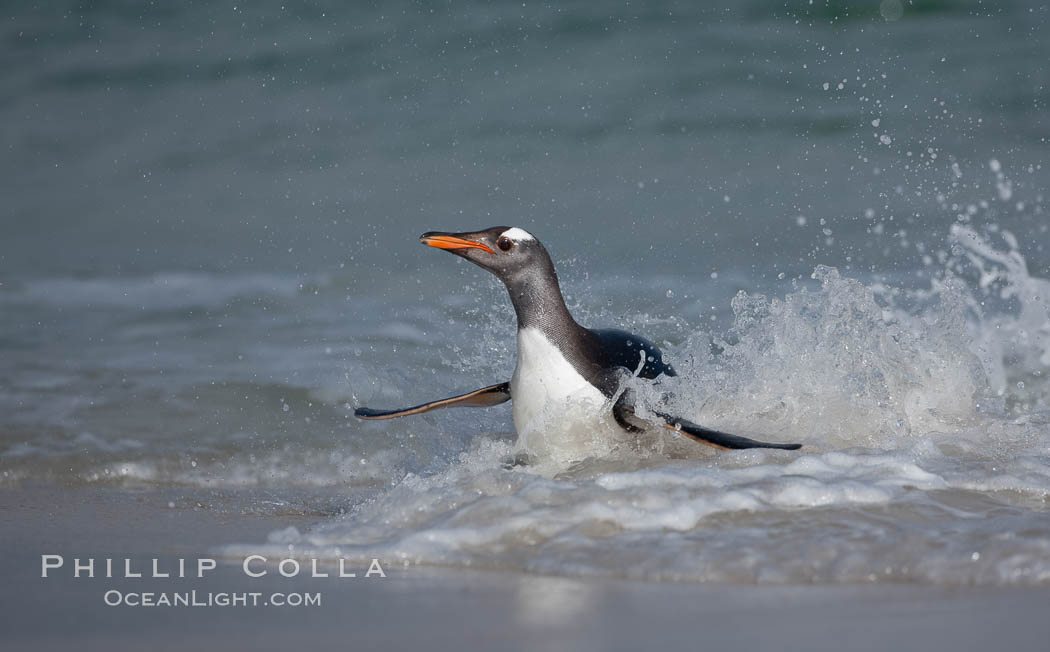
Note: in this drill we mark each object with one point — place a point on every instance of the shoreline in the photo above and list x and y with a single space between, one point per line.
440 608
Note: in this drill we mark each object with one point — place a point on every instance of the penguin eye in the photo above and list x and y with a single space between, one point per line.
505 244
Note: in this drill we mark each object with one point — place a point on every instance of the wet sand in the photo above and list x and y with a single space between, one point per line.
435 609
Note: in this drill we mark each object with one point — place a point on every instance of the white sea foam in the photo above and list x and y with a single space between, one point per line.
836 516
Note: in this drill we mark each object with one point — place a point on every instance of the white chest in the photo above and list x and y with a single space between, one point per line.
554 406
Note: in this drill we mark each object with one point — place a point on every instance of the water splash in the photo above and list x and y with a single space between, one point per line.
834 366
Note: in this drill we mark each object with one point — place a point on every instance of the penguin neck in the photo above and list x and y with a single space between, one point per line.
539 304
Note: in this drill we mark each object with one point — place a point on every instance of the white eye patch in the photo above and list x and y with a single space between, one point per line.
517 234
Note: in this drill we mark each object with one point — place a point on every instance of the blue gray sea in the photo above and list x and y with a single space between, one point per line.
831 216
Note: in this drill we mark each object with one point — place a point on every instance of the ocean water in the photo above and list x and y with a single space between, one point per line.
830 215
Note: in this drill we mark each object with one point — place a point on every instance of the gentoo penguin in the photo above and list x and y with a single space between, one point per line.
568 379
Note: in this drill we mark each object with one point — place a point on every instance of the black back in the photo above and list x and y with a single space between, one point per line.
623 349
605 356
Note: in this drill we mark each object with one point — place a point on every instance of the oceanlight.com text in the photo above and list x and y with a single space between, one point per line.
194 598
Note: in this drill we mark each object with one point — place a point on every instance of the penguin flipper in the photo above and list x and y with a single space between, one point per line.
624 414
718 439
484 397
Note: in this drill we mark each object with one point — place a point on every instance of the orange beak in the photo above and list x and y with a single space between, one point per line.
452 242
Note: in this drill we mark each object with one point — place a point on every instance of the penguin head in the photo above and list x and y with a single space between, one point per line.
508 252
